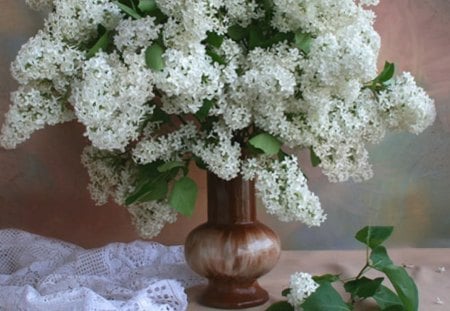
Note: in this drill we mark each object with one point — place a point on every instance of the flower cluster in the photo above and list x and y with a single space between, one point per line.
301 287
157 84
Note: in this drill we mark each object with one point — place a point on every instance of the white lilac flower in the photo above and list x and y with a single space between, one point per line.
111 99
103 173
369 2
220 152
315 17
134 35
301 287
46 58
149 218
284 192
406 106
243 11
339 57
165 147
187 80
39 5
268 83
34 106
77 21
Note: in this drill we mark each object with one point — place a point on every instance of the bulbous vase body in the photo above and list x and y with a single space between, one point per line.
232 249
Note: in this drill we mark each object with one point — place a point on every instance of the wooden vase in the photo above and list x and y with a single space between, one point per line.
232 249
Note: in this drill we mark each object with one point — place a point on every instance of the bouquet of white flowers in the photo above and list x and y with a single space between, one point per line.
160 83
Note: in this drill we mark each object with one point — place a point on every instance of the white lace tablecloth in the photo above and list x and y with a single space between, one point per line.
38 273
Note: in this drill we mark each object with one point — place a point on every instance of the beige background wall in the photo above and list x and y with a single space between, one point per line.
43 185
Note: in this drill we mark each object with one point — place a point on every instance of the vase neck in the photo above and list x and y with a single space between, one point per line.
230 202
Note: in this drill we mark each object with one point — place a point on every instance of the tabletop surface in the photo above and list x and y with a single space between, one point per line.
424 265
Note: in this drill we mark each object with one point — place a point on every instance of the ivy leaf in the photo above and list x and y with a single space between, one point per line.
363 287
315 160
303 41
387 299
373 236
170 165
379 258
153 57
330 278
325 298
101 44
266 142
183 196
404 286
281 306
147 6
126 9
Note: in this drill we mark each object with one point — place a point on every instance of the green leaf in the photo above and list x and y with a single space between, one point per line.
237 32
363 288
183 196
160 115
170 165
214 39
155 189
255 38
215 57
330 278
153 57
315 160
404 286
386 299
394 308
285 292
373 236
387 73
202 113
303 41
266 142
379 258
325 298
126 9
147 6
101 44
281 306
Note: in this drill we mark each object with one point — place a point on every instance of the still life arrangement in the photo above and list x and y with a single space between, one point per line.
237 87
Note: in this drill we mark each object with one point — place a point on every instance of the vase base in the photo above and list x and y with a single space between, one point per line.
229 294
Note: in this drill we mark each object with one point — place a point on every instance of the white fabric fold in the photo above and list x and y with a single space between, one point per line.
38 273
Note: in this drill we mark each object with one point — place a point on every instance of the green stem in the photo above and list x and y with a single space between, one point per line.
363 270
